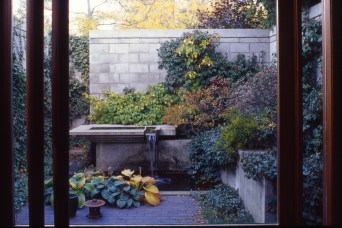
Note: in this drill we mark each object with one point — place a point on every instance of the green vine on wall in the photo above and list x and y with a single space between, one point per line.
19 117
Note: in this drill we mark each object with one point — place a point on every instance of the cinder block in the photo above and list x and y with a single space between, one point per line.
118 48
153 48
118 88
109 58
129 78
140 48
223 48
239 47
162 76
98 48
148 58
154 68
93 78
105 68
119 68
258 47
95 68
138 68
98 88
95 58
104 78
149 78
128 58
114 78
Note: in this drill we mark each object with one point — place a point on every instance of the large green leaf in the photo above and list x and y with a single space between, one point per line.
89 187
121 203
105 194
136 204
100 186
81 199
78 176
140 193
137 197
124 196
119 182
133 191
94 192
116 193
48 183
129 202
52 199
111 199
96 180
126 188
112 188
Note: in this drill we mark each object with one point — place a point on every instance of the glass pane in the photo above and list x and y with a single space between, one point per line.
212 96
19 113
210 112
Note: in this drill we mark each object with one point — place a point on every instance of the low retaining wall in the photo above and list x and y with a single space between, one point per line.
255 194
173 155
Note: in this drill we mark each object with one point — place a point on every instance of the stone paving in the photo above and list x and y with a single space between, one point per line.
173 210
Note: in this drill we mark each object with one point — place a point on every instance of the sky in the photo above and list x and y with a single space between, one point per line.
78 6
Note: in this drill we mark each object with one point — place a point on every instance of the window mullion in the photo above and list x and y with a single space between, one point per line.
60 109
332 121
6 161
290 153
35 110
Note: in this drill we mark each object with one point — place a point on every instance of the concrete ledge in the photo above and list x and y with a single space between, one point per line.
175 33
93 130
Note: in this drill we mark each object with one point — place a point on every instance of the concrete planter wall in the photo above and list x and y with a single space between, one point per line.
255 194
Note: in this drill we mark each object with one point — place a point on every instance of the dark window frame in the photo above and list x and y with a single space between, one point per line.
290 158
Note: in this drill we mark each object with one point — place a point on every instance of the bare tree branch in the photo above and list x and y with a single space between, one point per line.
92 10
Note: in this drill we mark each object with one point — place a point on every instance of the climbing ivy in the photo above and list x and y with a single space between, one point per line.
79 55
19 117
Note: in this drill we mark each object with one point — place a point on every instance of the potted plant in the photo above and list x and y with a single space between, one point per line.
73 204
49 197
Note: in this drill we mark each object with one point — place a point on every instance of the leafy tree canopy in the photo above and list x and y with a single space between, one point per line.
230 14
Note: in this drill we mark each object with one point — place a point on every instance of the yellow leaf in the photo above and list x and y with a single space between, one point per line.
152 198
136 178
151 188
148 180
127 172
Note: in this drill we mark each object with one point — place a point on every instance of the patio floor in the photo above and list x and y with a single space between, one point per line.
175 209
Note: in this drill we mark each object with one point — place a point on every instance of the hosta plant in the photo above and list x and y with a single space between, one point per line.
127 190
80 185
123 191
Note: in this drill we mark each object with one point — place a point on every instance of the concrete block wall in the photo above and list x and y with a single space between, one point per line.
129 58
255 194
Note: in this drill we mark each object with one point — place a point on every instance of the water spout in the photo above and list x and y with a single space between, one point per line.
152 151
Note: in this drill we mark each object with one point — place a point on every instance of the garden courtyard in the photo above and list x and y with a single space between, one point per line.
177 126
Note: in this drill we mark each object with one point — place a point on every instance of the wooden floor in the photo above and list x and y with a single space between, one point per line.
173 210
